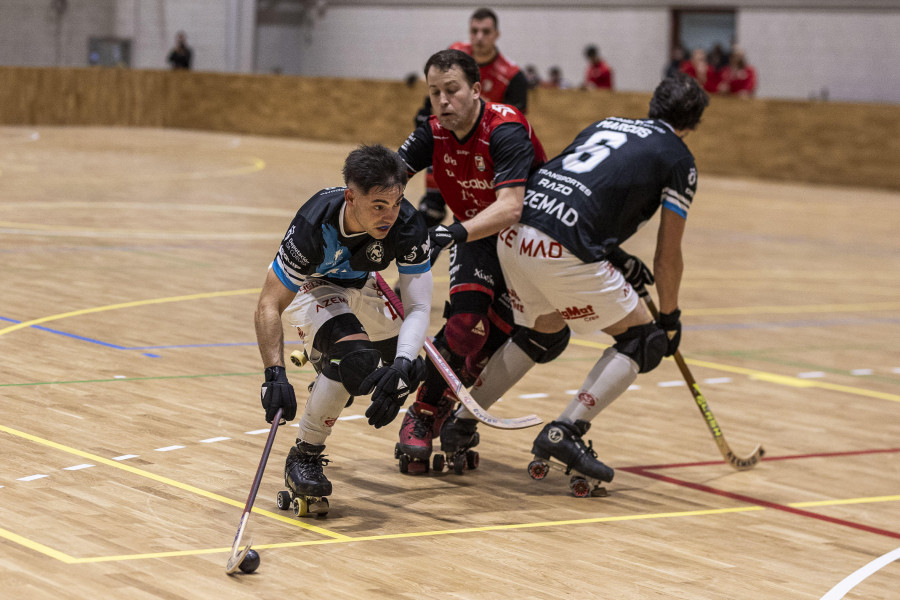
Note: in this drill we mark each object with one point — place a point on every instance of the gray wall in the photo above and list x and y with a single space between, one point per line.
844 48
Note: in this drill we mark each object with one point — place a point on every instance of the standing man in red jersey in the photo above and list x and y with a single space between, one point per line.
501 81
482 154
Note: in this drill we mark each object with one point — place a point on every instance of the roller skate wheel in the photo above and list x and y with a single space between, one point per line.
283 500
580 487
472 459
537 469
299 507
418 467
459 464
437 463
397 452
298 358
404 463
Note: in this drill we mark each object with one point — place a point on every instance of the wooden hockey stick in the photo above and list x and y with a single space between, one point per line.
237 555
738 462
452 379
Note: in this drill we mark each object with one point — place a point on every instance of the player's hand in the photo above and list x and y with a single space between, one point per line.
671 324
633 269
443 237
393 384
277 393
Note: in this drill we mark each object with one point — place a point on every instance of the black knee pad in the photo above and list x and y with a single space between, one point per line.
644 344
542 347
334 329
351 361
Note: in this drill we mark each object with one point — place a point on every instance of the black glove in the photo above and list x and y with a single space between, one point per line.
277 393
635 271
443 237
671 323
393 384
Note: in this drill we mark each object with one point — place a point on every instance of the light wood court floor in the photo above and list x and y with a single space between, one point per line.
130 424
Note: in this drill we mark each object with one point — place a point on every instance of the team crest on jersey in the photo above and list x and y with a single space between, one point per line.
375 251
479 162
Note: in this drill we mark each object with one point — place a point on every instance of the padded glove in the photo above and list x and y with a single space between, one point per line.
443 237
633 269
393 383
277 393
671 324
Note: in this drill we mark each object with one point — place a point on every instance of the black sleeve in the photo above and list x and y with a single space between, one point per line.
417 150
517 92
512 153
423 113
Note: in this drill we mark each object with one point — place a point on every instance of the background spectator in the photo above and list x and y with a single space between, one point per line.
598 74
676 57
699 69
738 78
531 74
181 55
555 79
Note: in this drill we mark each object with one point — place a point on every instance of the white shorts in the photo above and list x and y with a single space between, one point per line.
318 300
543 277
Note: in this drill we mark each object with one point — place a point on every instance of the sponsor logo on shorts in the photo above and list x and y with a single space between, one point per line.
330 302
515 302
542 249
484 276
586 399
309 285
300 334
577 312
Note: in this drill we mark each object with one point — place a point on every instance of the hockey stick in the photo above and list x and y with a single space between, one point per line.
237 555
738 462
452 379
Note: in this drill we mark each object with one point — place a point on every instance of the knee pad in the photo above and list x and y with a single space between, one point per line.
466 333
644 344
334 329
350 363
542 347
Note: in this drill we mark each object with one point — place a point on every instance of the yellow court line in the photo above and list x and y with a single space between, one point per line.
769 377
161 479
37 547
96 309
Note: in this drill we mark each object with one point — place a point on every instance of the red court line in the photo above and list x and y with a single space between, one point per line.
767 458
645 472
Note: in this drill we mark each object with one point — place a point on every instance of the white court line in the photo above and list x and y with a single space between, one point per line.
213 440
257 431
861 372
125 457
849 582
895 370
32 477
534 396
351 417
78 467
670 383
572 391
811 375
634 387
169 448
717 380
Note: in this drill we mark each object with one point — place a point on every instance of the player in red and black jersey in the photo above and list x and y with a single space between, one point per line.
501 81
482 154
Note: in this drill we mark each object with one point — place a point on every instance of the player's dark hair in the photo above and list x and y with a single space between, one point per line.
447 59
485 13
679 101
371 167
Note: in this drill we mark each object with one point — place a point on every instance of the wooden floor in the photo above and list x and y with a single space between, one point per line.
130 424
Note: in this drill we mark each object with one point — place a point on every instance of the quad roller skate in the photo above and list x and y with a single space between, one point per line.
559 446
306 482
458 437
421 425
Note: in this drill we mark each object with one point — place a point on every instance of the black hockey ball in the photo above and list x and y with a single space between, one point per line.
250 562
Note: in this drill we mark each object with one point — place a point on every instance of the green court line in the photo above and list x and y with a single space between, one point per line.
253 374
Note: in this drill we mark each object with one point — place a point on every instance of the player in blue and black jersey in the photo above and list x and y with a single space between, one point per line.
322 281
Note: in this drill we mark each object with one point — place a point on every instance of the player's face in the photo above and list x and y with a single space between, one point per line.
375 212
483 34
453 100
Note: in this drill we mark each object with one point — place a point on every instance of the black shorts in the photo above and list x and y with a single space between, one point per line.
474 267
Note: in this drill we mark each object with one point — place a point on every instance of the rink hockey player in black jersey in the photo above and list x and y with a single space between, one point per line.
322 283
566 272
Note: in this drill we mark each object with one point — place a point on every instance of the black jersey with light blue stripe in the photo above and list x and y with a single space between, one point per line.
316 245
609 182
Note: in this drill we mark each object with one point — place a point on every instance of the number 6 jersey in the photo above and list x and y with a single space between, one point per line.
609 182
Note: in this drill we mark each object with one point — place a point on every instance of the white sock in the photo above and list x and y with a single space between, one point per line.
324 406
506 367
608 380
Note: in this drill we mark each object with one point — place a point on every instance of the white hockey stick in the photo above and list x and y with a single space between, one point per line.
452 379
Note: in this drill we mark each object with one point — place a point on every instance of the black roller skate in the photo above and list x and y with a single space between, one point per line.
458 436
562 441
421 425
306 482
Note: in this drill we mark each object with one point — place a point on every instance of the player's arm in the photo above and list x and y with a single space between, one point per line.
273 300
668 262
416 290
417 150
516 93
504 212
